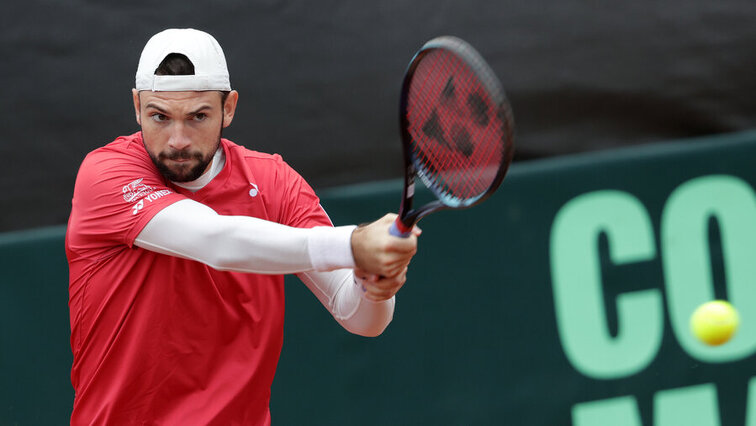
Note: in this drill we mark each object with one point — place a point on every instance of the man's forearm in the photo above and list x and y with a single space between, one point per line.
341 293
191 230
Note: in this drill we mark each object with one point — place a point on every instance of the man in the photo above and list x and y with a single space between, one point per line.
177 242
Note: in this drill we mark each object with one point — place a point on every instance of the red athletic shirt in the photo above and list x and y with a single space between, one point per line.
161 340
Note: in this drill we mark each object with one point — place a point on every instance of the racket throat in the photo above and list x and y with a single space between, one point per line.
406 215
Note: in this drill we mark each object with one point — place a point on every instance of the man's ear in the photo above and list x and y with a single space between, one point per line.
229 108
137 105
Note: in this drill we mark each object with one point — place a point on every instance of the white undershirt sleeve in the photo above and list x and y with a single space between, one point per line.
341 293
192 230
321 256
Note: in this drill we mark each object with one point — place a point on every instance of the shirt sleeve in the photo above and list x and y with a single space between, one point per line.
115 195
303 209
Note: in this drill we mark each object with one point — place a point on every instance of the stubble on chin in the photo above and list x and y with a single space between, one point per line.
182 172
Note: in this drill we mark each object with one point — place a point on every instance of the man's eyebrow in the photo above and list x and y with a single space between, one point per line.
151 105
200 109
162 111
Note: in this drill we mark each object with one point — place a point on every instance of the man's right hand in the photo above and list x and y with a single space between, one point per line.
379 253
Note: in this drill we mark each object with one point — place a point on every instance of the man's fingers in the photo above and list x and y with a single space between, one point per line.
365 276
385 288
403 245
394 267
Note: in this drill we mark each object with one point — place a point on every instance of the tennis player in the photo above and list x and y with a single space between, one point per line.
177 244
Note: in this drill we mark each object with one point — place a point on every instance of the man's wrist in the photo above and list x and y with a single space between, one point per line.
331 248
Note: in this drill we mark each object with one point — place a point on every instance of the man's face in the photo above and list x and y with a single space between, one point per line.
182 130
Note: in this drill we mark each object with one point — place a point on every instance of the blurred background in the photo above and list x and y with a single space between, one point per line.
548 305
319 81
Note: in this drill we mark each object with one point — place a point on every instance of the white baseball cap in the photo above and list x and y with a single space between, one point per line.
210 70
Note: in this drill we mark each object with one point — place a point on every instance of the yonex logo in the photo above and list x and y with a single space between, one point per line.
138 206
254 191
459 137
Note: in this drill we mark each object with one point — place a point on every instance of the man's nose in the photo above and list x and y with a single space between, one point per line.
179 138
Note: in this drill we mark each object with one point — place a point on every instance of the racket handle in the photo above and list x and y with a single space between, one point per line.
398 229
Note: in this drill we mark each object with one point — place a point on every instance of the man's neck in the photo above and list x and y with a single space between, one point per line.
216 165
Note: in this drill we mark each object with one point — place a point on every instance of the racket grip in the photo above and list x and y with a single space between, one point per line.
398 229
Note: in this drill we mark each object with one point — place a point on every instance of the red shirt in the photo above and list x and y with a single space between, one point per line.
161 340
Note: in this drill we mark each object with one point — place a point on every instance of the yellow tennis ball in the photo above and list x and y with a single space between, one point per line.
714 322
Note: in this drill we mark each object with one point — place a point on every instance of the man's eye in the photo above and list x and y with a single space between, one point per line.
159 117
200 116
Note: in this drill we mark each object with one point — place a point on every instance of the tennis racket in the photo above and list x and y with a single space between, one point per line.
457 130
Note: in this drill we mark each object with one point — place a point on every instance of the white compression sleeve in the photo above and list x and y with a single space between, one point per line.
340 292
191 230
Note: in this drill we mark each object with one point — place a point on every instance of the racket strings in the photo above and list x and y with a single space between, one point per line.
457 133
433 161
440 162
492 151
490 142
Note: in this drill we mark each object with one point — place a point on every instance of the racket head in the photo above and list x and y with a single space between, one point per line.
457 127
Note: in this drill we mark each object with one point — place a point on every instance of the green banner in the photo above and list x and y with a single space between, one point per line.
563 300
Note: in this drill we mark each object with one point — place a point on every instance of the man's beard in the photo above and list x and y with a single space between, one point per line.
183 172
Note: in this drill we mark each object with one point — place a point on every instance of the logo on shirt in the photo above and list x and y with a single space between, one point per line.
254 191
135 190
138 206
138 192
